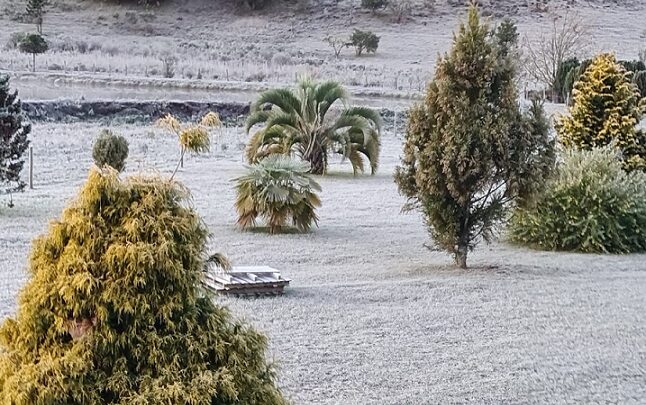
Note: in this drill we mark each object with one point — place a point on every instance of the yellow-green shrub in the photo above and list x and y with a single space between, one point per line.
114 312
592 205
607 108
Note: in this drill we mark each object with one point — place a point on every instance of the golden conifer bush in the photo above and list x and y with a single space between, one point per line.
607 108
114 312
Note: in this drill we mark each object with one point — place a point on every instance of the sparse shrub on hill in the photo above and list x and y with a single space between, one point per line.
14 40
470 152
301 122
606 110
114 312
279 190
111 150
253 4
364 41
401 10
13 136
337 44
591 205
374 5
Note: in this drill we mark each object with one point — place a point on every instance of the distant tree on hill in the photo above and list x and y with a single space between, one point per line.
364 41
374 5
36 9
253 4
34 44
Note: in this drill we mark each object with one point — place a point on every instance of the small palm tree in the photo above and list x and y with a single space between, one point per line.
277 188
301 122
192 137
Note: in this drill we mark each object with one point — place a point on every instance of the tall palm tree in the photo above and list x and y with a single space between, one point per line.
302 122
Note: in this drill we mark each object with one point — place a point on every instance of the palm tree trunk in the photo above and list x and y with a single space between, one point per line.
317 157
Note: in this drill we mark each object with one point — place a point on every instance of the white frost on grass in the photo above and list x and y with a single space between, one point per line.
371 316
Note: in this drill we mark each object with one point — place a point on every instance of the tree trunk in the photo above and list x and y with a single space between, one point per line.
317 158
33 65
461 257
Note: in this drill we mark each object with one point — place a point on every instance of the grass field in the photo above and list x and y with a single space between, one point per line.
372 316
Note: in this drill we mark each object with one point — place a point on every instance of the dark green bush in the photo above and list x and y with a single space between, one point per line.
374 5
562 77
364 41
640 80
592 205
111 150
14 130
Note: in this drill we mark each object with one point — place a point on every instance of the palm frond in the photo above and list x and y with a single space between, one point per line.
327 93
170 123
218 260
211 120
356 160
369 114
256 117
281 98
280 118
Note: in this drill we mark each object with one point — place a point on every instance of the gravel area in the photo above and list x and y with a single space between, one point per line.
372 316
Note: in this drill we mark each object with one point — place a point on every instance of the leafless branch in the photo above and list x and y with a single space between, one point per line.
567 39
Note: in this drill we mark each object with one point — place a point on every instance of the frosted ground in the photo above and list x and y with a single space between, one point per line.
372 316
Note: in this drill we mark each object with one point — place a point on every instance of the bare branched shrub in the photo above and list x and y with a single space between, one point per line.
401 9
540 6
337 44
168 66
566 39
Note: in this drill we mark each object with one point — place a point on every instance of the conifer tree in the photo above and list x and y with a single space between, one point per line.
36 9
34 44
114 312
606 110
13 135
469 151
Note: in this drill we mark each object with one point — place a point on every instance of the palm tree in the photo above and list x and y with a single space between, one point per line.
302 122
277 188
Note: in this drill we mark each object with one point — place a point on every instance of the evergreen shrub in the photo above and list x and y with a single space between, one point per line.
110 149
114 311
591 205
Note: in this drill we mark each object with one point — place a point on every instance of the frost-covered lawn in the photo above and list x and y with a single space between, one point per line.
372 316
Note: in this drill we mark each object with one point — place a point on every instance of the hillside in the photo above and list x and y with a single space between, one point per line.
212 40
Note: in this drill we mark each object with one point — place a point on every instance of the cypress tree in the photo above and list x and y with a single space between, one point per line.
13 135
36 10
470 151
114 312
606 110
